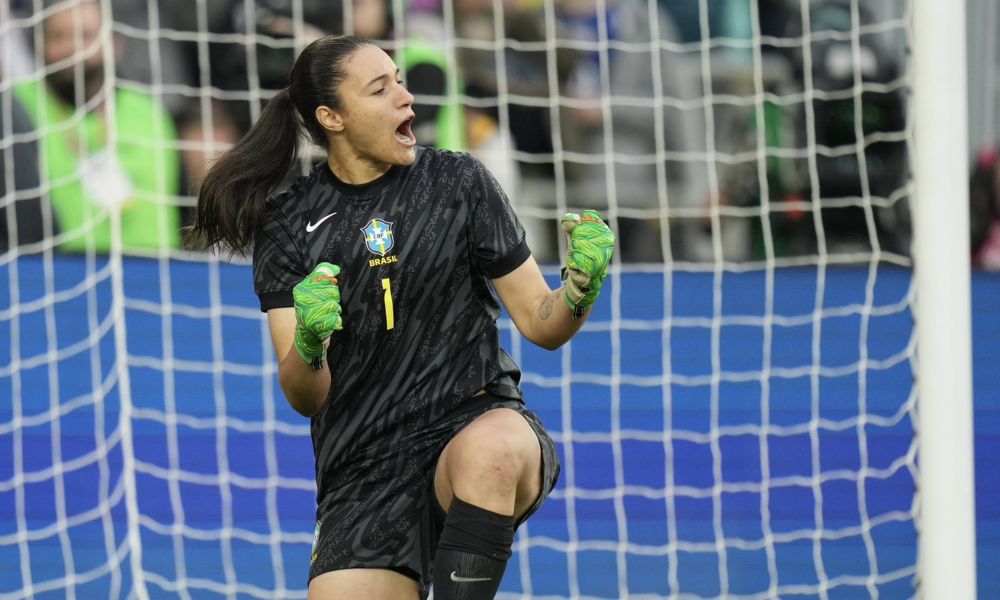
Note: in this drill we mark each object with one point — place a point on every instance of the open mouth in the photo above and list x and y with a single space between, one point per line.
404 133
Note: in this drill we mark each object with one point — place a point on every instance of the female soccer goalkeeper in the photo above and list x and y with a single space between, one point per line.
375 273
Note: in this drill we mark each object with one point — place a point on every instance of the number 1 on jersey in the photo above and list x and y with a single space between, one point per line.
387 297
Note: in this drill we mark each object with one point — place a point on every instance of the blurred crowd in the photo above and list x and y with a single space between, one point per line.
697 145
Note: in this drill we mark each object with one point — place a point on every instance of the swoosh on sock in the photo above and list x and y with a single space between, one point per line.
457 579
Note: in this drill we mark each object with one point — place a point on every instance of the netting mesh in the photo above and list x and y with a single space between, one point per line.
735 420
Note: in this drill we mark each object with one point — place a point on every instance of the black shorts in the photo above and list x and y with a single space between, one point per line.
388 516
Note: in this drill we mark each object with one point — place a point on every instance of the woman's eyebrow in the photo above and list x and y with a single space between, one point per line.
380 78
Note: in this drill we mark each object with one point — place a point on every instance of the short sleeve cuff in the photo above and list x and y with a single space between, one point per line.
508 262
278 299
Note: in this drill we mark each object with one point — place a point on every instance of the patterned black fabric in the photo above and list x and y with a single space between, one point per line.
416 248
385 515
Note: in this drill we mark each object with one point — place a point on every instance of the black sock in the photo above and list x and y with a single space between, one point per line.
472 553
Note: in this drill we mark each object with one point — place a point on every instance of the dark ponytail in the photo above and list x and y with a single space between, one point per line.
233 195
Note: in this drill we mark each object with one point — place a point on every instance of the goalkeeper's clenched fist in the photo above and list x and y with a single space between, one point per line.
317 312
590 245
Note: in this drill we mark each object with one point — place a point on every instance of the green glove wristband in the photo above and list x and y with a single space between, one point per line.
577 284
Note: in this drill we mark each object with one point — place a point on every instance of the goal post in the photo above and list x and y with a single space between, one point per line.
947 556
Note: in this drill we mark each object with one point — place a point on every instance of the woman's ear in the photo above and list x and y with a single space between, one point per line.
329 119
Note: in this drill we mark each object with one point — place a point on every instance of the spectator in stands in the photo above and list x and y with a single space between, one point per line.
634 141
984 210
511 110
204 135
225 33
725 18
99 162
424 63
24 218
16 59
867 153
526 69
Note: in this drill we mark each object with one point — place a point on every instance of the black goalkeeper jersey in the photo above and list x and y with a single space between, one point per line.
417 248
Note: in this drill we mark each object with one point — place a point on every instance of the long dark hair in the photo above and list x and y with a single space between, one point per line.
232 196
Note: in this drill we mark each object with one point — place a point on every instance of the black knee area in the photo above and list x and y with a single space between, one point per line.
472 529
472 553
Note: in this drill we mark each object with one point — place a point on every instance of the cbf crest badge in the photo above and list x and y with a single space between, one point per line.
378 236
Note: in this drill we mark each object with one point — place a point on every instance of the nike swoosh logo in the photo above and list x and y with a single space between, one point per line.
311 227
458 579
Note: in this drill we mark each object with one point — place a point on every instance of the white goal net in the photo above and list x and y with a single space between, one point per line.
735 420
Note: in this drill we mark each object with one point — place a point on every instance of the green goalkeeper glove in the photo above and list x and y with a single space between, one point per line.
590 245
317 312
